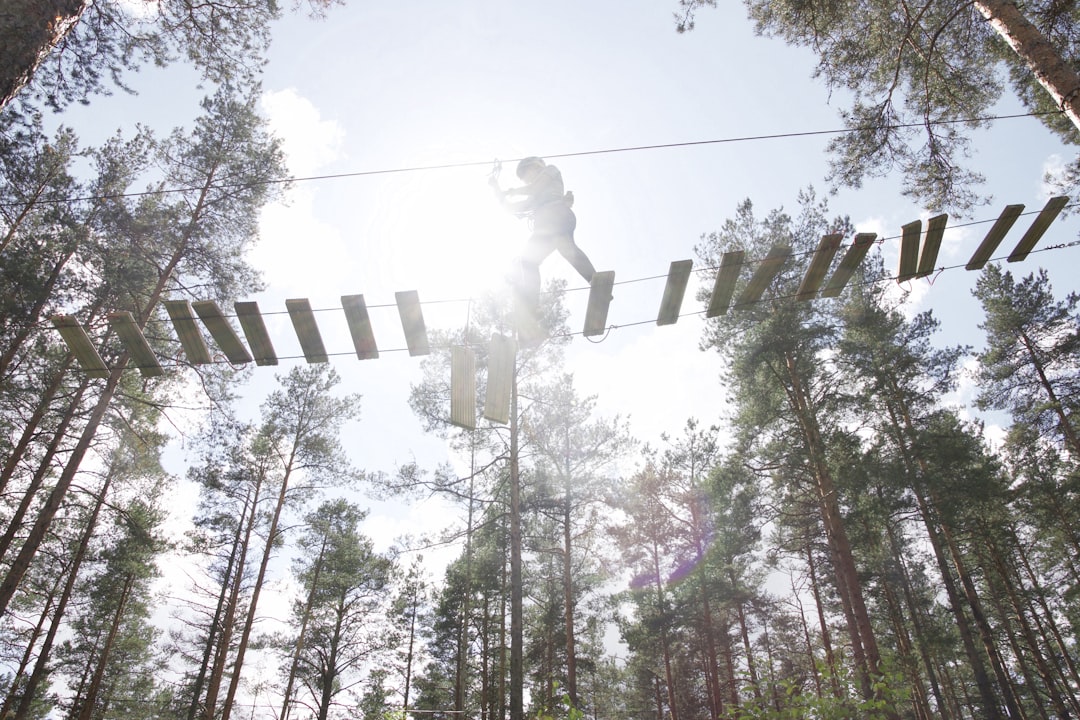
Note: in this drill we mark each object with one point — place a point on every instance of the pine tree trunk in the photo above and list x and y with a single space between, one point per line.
86 711
1048 387
904 434
33 319
1020 610
826 636
24 662
219 611
260 578
21 563
29 30
466 611
661 603
744 631
218 672
568 586
45 466
44 655
1052 70
864 644
330 669
517 667
917 624
287 694
30 430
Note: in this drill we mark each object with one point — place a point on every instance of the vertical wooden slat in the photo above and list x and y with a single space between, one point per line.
251 322
123 323
222 332
767 270
307 330
1046 216
599 300
183 320
724 287
994 237
412 322
855 254
500 380
819 265
935 230
674 291
909 251
80 345
463 387
356 315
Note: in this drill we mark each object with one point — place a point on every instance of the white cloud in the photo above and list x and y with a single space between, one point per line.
309 141
298 252
1053 167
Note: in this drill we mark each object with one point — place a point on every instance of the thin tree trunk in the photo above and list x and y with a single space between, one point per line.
34 316
917 624
249 621
1051 69
568 584
904 433
216 675
287 695
30 429
28 652
45 465
517 667
219 611
41 664
29 31
826 636
661 603
87 709
864 644
744 631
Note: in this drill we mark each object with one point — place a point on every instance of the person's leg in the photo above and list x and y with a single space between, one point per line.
575 256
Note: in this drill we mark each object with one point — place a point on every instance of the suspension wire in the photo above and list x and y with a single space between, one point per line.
581 153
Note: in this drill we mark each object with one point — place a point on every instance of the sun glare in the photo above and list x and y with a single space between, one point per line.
448 237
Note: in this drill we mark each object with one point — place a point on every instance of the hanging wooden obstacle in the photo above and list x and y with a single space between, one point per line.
599 299
935 231
80 345
412 322
125 327
768 269
724 287
1046 216
463 387
502 352
356 315
909 250
674 291
994 237
819 265
222 332
251 322
843 272
191 340
307 330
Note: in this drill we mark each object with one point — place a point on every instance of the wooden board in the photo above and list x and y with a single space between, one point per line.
356 315
850 262
500 380
307 330
1050 211
183 320
251 322
125 327
599 300
994 237
819 266
79 344
674 292
412 322
222 332
935 230
768 269
724 287
463 387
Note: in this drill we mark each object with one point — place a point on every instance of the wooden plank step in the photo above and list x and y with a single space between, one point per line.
819 266
674 291
222 332
251 322
80 345
412 322
935 230
1050 211
307 330
994 237
123 323
724 287
463 387
356 315
191 340
768 269
848 264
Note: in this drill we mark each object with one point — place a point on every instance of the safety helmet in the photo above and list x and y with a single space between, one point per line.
527 163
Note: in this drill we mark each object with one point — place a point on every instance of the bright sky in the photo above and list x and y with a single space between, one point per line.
383 86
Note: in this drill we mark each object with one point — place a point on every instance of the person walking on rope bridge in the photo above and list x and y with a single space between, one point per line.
548 207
